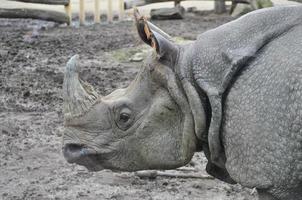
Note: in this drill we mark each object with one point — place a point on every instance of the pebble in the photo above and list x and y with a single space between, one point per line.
3 53
138 57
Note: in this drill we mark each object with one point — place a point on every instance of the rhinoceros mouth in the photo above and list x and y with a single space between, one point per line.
73 152
81 155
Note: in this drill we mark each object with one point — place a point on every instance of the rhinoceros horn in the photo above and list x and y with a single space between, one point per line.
78 95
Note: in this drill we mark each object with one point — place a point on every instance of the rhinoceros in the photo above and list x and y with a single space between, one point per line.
235 93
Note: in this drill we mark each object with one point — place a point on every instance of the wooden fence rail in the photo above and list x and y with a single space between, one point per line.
46 15
59 16
49 2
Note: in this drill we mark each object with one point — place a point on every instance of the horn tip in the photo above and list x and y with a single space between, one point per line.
72 65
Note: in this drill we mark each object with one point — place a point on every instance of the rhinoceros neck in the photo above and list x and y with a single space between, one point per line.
185 73
184 67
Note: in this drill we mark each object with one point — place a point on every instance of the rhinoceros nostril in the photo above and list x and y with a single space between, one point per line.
73 152
73 147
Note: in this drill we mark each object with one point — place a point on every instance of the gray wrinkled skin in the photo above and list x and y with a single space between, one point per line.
235 93
159 134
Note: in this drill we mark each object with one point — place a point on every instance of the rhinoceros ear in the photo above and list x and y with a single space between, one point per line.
166 50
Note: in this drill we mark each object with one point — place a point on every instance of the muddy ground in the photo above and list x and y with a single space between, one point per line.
33 55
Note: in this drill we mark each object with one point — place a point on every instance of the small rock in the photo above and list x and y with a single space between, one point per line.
241 9
168 13
3 53
264 3
115 17
103 17
26 94
81 194
5 194
191 9
138 57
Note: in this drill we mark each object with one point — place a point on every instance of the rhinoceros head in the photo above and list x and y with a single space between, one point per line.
148 125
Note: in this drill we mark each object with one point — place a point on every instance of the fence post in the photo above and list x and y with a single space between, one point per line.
82 12
109 16
97 16
68 12
122 10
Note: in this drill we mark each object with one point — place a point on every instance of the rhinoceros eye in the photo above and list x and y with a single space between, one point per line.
124 118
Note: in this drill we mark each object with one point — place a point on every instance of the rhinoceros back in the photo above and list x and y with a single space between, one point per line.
252 68
262 120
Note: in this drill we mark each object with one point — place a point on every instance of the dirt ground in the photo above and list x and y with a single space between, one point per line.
33 55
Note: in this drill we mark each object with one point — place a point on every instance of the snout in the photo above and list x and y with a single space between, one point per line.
74 153
81 155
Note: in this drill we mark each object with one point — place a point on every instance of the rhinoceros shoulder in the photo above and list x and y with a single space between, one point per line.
220 54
